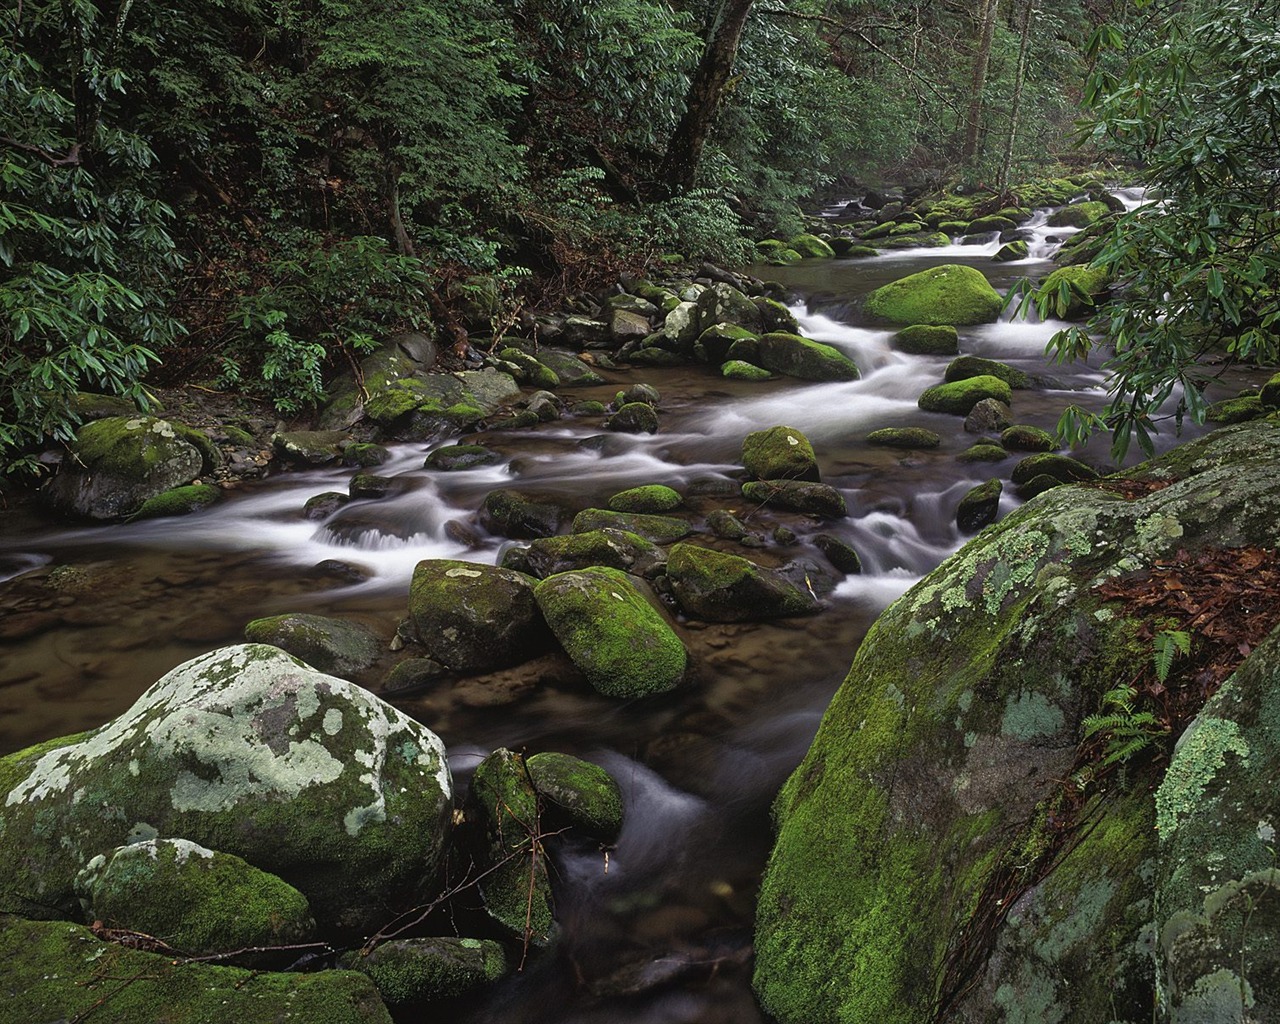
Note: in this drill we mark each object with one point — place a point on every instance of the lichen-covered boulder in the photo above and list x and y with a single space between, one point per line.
795 356
616 549
473 617
200 900
949 294
797 496
514 883
329 644
120 462
653 528
779 453
775 316
411 972
610 631
251 752
926 340
959 397
58 971
929 853
965 367
579 792
722 303
721 587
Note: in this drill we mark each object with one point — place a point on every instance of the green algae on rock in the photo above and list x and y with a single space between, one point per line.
653 528
200 900
779 453
927 340
179 501
721 587
614 635
616 549
251 752
949 294
740 369
964 367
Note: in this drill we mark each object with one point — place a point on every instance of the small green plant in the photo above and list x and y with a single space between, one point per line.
1128 729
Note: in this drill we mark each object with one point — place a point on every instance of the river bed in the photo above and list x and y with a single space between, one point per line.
659 930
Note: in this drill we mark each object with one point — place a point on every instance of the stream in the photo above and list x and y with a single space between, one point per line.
660 930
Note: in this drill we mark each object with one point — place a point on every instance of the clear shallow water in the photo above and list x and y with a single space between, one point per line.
89 617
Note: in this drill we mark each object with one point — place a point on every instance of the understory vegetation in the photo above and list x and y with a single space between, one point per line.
251 193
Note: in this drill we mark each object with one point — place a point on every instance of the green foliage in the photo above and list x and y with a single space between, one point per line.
1198 102
1128 729
1168 643
85 249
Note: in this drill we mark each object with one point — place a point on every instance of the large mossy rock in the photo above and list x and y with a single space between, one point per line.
251 752
58 971
960 396
949 294
779 453
720 587
612 633
655 529
927 852
200 900
329 644
472 617
120 462
799 357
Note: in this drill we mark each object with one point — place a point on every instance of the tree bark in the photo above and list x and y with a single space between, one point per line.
1015 108
978 80
684 151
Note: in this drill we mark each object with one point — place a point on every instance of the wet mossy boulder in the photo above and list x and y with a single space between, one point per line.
1269 396
653 528
572 371
937 774
965 367
179 501
739 369
611 632
983 451
783 257
950 294
989 416
779 453
329 644
714 344
797 496
904 437
1010 251
1023 437
528 369
410 973
418 408
455 457
120 462
578 793
795 356
959 397
723 303
1078 215
200 900
616 549
1062 468
646 498
839 553
58 971
512 513
979 507
990 223
634 418
721 587
514 883
247 751
774 316
473 617
811 247
1235 410
924 340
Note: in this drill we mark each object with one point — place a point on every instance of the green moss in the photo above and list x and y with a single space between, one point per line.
783 257
585 794
1236 410
410 972
800 357
1062 468
811 247
1079 215
904 437
949 294
983 451
721 587
965 367
648 498
178 501
1024 437
779 453
797 496
923 340
1074 291
738 369
658 529
959 397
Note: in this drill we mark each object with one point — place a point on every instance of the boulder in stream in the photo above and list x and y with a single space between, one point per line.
926 340
247 751
616 549
905 437
797 496
411 972
653 528
965 367
721 587
331 645
950 294
980 506
959 397
795 356
512 513
579 793
779 453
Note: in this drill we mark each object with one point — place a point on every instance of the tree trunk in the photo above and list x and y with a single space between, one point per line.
680 165
981 59
1028 12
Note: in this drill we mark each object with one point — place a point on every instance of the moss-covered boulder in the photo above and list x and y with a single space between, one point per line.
578 793
472 617
1061 467
1073 292
200 900
1269 395
724 304
775 316
811 247
455 457
979 506
779 453
959 397
646 498
634 418
924 340
795 356
739 369
904 437
653 528
1010 251
992 222
965 367
419 408
840 553
928 852
1235 410
329 644
409 973
989 416
1024 437
1078 215
514 882
797 496
572 371
783 257
248 751
179 501
613 634
616 549
120 462
983 451
721 587
512 513
58 971
949 294
714 344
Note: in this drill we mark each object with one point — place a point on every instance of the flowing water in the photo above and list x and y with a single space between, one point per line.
660 929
